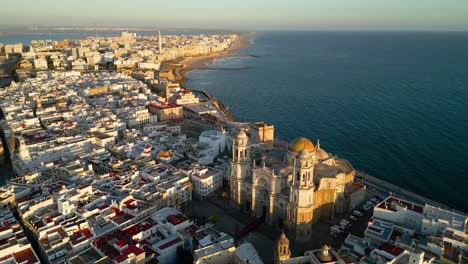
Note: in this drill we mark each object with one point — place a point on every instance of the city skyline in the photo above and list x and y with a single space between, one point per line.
243 15
214 132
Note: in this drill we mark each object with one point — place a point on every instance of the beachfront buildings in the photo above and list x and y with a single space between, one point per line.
186 97
297 184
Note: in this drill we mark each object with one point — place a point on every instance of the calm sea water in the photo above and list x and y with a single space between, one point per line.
394 104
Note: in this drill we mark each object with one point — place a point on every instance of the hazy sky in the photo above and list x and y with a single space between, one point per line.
242 14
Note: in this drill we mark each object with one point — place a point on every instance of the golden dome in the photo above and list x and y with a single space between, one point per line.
301 143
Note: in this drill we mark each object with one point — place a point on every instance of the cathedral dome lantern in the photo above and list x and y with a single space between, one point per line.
324 254
300 143
303 154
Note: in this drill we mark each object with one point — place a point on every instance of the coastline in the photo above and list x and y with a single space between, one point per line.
241 42
372 182
201 62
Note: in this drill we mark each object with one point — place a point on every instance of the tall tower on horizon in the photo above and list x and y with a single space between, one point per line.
160 41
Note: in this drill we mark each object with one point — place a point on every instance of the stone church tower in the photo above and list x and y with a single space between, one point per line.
302 195
241 168
282 251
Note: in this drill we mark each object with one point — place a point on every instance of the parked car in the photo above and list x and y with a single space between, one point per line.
345 223
352 217
357 213
336 230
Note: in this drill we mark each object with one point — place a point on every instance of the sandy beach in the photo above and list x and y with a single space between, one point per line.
199 62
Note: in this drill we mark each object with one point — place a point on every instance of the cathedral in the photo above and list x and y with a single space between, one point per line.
290 186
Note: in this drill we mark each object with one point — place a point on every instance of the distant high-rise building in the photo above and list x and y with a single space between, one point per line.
160 41
127 39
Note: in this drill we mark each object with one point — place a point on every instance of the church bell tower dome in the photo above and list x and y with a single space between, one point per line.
241 135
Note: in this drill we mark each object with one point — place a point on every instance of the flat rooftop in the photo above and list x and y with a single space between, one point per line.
379 229
391 202
165 106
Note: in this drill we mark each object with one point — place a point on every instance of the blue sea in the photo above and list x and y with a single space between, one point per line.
395 104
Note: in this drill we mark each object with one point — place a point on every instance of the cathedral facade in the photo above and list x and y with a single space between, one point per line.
291 187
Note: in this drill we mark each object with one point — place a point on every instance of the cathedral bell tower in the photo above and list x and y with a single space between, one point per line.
241 166
282 249
301 199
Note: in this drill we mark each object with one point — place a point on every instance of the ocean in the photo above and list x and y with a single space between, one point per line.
395 104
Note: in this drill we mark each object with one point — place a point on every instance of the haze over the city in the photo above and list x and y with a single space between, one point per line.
243 14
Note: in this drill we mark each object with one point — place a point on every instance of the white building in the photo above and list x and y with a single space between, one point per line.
139 117
40 64
215 139
80 65
206 181
202 154
399 211
427 219
436 220
187 97
246 253
149 65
